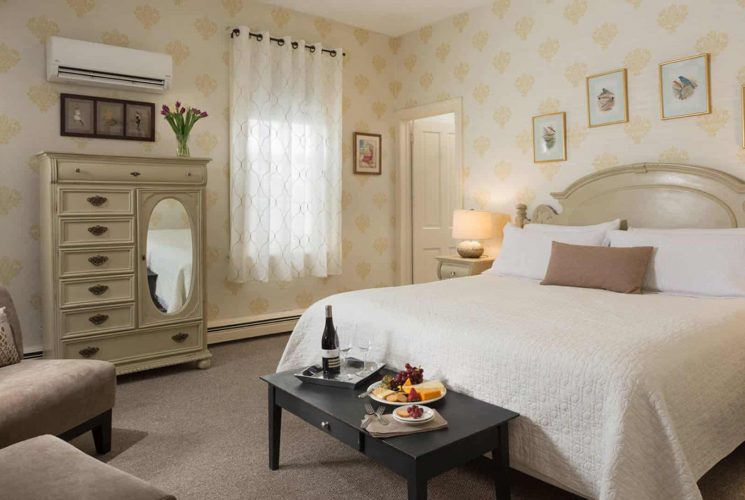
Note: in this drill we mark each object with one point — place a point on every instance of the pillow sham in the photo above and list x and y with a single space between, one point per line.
8 352
612 225
526 253
619 270
691 262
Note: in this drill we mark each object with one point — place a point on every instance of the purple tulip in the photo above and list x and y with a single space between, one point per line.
203 114
183 110
165 109
178 104
195 111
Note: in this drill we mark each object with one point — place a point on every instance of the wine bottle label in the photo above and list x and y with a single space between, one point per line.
330 353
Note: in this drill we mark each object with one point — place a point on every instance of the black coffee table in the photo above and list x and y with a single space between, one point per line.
474 428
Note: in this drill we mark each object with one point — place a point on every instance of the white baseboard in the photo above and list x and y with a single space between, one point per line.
252 326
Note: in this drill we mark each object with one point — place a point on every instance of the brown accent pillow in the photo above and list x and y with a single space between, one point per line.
616 269
8 352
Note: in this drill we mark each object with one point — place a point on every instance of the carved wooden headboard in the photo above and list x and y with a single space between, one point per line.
661 195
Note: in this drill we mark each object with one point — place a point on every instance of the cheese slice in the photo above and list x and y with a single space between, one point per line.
382 392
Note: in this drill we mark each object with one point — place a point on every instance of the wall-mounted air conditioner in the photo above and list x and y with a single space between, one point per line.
100 65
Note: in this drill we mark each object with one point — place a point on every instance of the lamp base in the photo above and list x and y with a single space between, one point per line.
470 249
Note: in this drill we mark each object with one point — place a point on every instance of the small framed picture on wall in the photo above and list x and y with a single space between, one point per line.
367 153
607 98
549 137
104 118
685 88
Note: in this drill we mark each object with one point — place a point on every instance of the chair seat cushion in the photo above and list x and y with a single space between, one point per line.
46 467
51 396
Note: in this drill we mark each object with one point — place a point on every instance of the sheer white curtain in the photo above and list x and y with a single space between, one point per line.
285 160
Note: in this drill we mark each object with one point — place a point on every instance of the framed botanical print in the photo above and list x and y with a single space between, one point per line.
104 118
685 87
367 153
549 137
607 98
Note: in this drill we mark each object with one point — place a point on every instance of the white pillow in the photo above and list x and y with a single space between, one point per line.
526 253
709 262
604 226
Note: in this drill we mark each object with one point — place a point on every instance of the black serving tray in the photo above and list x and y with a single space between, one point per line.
314 375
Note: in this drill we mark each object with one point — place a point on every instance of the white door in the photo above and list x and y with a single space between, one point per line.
435 194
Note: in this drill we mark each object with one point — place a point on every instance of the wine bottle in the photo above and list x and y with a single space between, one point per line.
330 347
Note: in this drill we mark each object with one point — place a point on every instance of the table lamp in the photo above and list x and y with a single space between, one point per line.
471 226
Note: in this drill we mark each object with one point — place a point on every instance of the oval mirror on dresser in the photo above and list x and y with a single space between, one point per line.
122 262
169 256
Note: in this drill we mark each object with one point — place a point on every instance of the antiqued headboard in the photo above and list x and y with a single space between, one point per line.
660 195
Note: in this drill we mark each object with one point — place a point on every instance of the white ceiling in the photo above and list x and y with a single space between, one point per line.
390 17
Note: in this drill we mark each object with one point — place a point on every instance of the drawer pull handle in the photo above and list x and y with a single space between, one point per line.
98 289
134 174
77 170
97 200
180 337
98 319
97 230
98 260
326 426
452 274
88 352
188 174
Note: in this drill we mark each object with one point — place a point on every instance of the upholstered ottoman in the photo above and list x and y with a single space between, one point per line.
46 467
63 397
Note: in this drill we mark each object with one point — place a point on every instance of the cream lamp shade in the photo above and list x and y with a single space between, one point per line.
472 225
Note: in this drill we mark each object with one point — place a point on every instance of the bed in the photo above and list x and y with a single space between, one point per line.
620 396
169 256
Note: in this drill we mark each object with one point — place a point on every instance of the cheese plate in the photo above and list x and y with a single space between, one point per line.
376 397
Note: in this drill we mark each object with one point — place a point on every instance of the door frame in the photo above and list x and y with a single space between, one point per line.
404 211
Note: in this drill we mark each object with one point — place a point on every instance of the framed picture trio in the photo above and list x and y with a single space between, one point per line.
106 118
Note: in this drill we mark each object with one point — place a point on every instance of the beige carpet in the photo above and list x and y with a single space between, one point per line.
202 435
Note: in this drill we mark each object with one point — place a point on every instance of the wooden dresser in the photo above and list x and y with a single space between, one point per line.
122 259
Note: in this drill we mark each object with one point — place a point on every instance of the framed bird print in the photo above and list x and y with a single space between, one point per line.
105 118
685 87
549 137
607 98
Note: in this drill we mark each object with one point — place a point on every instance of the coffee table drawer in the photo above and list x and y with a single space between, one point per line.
336 428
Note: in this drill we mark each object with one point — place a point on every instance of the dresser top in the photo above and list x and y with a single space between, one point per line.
175 160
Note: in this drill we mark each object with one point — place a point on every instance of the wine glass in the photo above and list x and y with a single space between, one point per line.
363 341
346 339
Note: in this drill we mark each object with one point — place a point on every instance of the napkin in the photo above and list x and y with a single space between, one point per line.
395 428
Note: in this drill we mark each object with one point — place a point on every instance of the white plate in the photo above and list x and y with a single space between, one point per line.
426 416
375 398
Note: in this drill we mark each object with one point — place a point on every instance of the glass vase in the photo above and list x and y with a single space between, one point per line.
183 145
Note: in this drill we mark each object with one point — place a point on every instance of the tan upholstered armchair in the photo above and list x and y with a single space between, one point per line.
63 397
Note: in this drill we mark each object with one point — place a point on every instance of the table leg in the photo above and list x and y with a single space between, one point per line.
417 488
275 428
501 464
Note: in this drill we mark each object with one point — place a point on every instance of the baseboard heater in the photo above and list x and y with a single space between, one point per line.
228 332
249 329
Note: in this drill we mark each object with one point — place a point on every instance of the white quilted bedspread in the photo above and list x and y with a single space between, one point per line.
620 396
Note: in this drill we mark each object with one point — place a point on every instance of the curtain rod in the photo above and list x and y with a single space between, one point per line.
279 41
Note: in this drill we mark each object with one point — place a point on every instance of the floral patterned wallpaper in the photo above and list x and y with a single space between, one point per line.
511 60
194 33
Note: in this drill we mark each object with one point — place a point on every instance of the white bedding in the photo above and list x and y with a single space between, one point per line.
169 255
620 396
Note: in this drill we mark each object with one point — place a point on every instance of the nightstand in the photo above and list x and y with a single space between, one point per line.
455 266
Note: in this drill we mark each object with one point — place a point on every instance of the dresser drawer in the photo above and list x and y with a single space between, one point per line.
97 320
87 292
100 201
141 344
96 261
96 231
76 171
448 270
